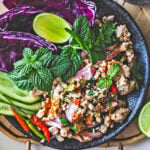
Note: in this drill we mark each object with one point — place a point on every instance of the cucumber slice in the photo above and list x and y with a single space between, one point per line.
4 109
7 87
51 27
31 107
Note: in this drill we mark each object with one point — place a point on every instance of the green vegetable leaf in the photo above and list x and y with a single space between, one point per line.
80 32
40 68
60 68
76 39
21 81
137 73
90 93
27 53
104 83
75 60
42 79
64 121
75 66
93 40
113 70
23 67
43 55
96 56
108 28
20 64
74 129
107 35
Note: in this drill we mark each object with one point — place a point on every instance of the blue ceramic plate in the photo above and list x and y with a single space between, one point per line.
135 99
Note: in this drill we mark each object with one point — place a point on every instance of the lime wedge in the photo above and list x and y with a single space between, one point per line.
144 120
51 27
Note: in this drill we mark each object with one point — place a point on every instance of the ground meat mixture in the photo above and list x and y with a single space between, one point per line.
81 110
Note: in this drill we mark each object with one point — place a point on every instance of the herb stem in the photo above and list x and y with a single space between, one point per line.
91 57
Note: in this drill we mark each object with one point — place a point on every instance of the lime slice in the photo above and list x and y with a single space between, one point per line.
51 27
144 120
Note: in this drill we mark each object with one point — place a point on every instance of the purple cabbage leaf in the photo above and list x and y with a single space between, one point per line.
13 43
68 9
18 19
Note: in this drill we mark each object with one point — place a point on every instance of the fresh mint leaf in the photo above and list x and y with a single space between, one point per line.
75 58
108 28
32 70
42 52
96 56
25 69
27 53
105 82
81 33
42 79
21 81
20 64
76 62
113 70
107 35
44 55
94 40
37 65
80 25
60 68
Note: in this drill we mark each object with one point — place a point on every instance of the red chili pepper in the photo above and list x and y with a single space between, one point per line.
37 121
77 101
20 121
114 89
104 69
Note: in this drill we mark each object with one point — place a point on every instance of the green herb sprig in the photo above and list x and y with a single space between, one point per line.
39 69
112 72
85 38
